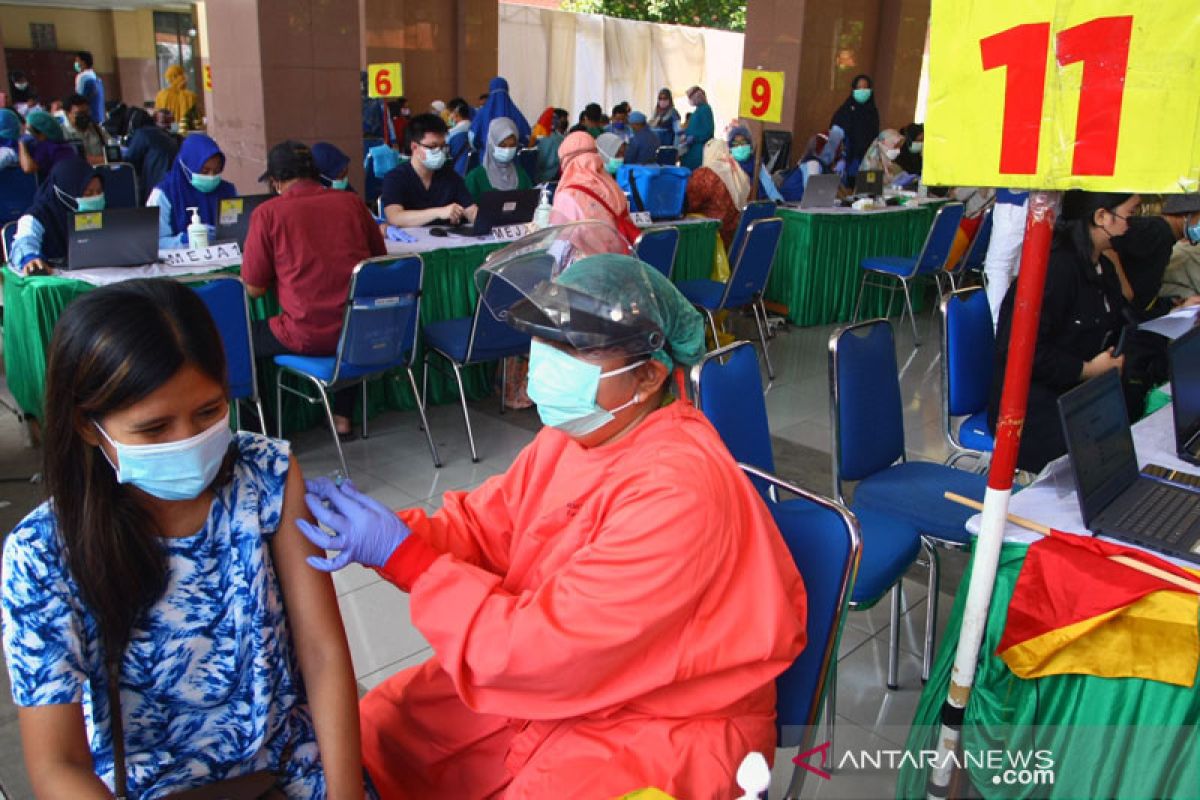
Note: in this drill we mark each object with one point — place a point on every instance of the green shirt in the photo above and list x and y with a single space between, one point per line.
478 182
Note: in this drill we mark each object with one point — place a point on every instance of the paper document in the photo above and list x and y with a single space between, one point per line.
1173 325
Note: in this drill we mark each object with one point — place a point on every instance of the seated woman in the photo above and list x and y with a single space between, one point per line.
499 171
10 133
586 189
741 148
612 149
193 182
151 150
911 159
719 189
42 231
333 166
44 145
166 572
1082 314
882 155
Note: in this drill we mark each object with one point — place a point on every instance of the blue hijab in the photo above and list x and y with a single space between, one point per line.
10 126
197 148
498 104
70 177
329 160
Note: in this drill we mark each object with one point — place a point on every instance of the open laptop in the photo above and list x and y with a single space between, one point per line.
1115 499
233 218
1184 356
868 182
821 191
496 208
118 237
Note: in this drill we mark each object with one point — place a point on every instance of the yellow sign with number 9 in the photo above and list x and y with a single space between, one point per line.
762 95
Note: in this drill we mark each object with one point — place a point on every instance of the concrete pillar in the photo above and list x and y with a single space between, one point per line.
282 69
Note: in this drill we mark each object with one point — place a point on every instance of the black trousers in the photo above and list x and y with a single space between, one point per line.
266 345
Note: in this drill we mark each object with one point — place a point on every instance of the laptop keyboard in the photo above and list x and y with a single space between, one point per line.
1162 512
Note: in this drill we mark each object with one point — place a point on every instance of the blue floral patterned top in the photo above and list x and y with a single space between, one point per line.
209 684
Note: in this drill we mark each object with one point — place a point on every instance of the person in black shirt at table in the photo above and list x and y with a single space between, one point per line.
1143 253
1083 312
426 190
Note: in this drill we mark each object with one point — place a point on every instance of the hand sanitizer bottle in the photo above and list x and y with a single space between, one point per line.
197 231
541 216
753 776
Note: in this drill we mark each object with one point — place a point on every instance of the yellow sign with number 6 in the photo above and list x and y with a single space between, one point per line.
1074 94
762 95
384 80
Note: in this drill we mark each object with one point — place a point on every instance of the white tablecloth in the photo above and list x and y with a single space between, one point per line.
1051 499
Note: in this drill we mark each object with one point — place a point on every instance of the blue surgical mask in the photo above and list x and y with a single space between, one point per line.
618 126
341 184
1193 232
434 159
202 183
172 470
504 154
564 389
614 164
862 95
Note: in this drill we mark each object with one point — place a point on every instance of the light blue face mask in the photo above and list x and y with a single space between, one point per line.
741 152
82 205
202 183
341 184
1193 232
172 470
564 389
614 164
862 95
434 159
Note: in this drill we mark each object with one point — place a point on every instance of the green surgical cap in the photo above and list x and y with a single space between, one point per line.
45 124
624 281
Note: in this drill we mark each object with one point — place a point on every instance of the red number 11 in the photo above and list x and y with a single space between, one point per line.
1102 45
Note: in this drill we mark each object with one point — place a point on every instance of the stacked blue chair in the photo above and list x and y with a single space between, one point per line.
657 247
972 260
868 448
226 300
120 185
826 544
379 334
749 270
968 358
17 189
886 271
477 339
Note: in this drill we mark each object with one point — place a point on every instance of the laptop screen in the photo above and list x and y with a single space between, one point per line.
1185 390
1099 442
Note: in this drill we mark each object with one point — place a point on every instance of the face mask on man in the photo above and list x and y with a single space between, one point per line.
1193 231
172 470
618 126
564 388
78 67
862 95
433 158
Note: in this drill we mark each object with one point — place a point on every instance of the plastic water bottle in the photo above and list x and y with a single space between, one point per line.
541 215
197 231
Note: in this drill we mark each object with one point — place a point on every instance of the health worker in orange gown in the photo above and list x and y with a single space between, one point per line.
610 613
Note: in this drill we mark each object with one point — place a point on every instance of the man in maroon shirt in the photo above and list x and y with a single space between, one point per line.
305 244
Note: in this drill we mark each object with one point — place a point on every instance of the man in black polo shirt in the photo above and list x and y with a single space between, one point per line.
1145 250
426 190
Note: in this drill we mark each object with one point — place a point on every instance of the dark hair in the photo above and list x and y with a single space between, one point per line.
593 112
619 108
85 56
562 120
16 74
862 76
111 348
422 124
76 100
139 118
459 107
1074 227
485 96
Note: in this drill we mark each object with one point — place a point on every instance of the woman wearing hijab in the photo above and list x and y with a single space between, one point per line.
332 166
586 190
176 98
499 170
543 127
72 186
911 159
882 155
193 182
44 146
612 149
665 119
858 117
719 189
700 129
151 150
498 104
10 132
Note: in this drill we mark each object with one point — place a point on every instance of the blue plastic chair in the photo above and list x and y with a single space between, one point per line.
753 212
379 334
968 357
867 422
226 300
477 339
372 183
120 185
750 268
527 160
826 544
657 247
886 271
17 189
7 234
666 156
972 260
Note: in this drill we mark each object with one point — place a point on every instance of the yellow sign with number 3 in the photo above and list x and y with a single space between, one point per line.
1074 94
762 95
384 80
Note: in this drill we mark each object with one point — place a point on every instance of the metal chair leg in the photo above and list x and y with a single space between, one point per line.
337 442
831 709
462 396
931 607
762 337
262 417
364 410
893 676
912 315
425 379
412 382
862 288
712 326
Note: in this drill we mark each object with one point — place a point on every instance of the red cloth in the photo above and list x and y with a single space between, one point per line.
306 244
602 619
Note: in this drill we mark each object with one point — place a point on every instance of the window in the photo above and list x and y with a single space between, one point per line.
176 42
43 36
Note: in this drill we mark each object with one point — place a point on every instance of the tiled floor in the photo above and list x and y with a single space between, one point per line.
395 467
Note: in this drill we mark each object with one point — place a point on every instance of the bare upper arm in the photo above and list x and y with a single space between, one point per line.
57 757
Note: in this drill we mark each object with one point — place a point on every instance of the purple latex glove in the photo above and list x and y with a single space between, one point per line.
366 531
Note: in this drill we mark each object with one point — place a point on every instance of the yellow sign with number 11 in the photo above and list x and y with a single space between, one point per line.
1074 94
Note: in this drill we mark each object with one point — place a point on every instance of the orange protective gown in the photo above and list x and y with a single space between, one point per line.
602 620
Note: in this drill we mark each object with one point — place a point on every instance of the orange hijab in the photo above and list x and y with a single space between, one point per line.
583 166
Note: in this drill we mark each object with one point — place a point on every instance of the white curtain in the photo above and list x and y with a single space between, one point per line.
569 60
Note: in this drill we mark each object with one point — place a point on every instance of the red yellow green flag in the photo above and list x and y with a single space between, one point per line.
1076 611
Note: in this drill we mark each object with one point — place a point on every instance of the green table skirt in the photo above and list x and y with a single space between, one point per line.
816 273
1108 737
32 306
